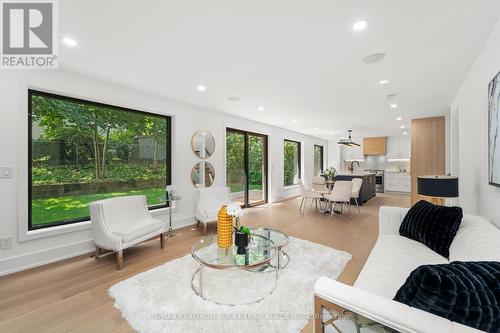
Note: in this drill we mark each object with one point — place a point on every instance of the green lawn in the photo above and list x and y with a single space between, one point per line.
48 210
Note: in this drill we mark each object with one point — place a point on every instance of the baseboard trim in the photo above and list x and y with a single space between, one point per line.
48 256
30 260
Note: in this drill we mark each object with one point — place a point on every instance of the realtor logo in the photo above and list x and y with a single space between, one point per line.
28 34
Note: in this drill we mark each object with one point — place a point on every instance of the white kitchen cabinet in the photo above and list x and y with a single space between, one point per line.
398 147
397 182
404 182
391 181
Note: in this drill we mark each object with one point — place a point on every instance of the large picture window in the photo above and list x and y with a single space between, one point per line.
81 151
318 160
292 161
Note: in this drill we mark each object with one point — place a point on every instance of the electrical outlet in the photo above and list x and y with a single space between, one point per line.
5 172
5 243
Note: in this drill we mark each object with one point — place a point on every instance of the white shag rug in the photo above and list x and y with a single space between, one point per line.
162 300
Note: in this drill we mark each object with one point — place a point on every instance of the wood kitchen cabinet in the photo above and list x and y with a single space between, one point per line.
374 146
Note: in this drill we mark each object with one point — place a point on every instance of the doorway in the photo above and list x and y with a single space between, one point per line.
246 167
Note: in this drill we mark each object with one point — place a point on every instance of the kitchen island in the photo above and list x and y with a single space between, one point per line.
367 188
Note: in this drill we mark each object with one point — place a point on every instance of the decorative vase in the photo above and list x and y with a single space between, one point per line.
241 241
224 228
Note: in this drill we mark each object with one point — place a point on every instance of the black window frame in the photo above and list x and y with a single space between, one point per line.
299 146
246 134
322 149
168 156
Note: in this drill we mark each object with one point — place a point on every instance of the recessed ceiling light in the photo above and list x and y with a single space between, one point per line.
405 132
399 118
201 88
233 98
261 108
316 128
373 58
402 127
360 25
393 106
383 82
295 121
70 42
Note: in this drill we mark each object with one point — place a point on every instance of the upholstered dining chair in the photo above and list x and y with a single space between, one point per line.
122 222
341 193
319 185
307 194
356 187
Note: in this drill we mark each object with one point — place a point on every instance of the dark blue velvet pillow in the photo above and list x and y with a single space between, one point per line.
432 225
463 292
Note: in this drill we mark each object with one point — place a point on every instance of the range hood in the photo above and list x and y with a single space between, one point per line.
348 142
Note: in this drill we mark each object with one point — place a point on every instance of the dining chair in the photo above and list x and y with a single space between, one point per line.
307 195
319 185
341 193
356 187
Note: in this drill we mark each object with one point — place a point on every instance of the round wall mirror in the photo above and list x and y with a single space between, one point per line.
203 174
203 144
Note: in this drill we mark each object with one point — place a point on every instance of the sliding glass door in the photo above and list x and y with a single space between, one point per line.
246 167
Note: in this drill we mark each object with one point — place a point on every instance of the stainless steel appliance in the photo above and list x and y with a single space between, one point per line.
379 180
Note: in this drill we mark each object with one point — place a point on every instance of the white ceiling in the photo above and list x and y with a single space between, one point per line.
299 59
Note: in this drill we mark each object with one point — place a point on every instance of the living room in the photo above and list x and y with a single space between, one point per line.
248 167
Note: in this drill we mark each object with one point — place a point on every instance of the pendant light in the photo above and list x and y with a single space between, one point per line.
348 142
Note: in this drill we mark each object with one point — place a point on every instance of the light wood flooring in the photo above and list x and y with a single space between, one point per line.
71 295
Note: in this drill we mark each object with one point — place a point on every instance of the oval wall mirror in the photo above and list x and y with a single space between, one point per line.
203 174
203 144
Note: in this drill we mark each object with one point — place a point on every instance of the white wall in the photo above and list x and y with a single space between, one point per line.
471 103
186 120
334 153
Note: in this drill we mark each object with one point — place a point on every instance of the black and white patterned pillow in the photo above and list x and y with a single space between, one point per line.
432 225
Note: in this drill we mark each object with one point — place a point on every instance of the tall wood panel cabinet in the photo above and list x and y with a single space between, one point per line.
427 151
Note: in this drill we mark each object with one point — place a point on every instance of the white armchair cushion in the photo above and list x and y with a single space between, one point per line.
211 214
130 230
121 222
208 201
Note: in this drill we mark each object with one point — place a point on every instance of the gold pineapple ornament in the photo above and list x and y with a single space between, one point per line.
224 228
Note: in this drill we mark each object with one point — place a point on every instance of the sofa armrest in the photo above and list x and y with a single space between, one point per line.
347 300
389 219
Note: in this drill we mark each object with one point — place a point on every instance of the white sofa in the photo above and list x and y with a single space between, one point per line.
121 222
207 202
390 263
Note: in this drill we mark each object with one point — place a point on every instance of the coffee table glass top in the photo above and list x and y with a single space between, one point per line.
260 251
278 237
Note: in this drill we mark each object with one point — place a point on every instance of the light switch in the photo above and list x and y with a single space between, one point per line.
5 172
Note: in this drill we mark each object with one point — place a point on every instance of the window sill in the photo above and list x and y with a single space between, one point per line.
290 187
53 231
73 227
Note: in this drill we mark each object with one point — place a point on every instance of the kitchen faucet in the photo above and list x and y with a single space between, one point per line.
351 168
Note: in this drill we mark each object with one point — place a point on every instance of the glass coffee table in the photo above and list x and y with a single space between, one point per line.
228 278
280 239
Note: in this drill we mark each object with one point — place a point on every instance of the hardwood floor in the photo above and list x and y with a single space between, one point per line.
71 295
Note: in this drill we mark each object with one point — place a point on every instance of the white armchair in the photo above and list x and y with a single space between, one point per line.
208 201
121 222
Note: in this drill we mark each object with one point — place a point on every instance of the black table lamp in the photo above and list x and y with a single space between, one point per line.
438 187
